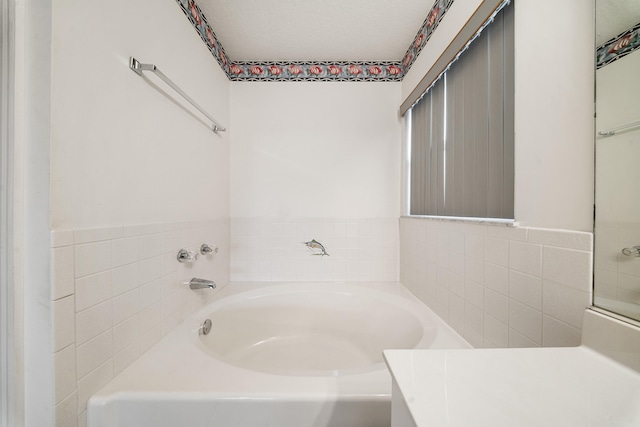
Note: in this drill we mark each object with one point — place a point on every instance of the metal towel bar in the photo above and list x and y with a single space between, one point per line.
613 131
138 68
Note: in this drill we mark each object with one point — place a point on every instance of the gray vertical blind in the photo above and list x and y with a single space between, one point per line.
462 132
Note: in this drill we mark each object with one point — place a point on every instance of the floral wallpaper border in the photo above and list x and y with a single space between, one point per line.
315 71
199 22
427 29
618 47
380 71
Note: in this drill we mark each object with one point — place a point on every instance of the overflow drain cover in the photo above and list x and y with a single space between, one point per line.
206 327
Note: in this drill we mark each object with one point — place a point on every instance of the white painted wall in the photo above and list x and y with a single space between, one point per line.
554 114
554 108
98 146
32 270
315 150
123 151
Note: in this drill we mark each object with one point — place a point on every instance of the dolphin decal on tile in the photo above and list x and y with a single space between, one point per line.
316 247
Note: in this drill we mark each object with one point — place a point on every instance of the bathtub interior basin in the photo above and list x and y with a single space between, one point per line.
314 331
286 355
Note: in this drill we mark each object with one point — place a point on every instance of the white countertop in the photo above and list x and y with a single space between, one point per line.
516 387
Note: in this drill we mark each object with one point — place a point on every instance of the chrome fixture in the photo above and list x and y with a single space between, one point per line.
196 283
632 251
138 68
187 256
205 328
613 131
206 249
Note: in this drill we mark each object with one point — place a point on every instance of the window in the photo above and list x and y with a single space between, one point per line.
462 131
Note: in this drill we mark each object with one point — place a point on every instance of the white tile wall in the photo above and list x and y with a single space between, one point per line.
500 286
116 291
272 249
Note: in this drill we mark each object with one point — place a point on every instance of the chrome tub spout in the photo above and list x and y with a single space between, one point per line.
196 283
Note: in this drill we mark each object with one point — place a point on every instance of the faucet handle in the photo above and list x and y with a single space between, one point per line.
206 249
187 256
632 251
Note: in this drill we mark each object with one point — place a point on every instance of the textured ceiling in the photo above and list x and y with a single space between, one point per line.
319 30
614 17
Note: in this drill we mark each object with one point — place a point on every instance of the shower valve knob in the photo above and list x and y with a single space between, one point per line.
632 251
186 256
206 249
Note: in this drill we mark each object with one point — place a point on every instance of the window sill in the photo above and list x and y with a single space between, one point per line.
468 220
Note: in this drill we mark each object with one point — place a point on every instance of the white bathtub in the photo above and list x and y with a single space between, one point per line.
285 355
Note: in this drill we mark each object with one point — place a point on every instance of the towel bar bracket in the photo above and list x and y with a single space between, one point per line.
139 67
